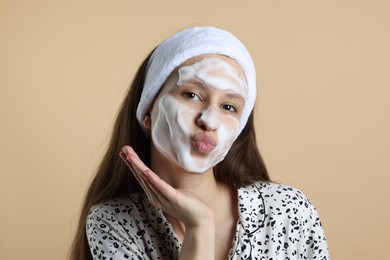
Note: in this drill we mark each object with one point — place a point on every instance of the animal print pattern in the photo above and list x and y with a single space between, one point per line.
275 222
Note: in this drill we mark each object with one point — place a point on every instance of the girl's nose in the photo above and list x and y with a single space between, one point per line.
209 119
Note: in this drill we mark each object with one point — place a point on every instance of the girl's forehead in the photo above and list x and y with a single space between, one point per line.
213 64
215 73
198 61
224 58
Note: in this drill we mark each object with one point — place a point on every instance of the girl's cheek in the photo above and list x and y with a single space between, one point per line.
185 117
231 123
188 117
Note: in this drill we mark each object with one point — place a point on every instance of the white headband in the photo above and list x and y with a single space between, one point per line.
187 44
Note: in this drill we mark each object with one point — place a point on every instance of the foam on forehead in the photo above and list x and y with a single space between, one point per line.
190 43
215 72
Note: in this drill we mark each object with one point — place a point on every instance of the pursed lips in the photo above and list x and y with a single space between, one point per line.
204 144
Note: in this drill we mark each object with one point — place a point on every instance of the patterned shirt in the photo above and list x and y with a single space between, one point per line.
275 222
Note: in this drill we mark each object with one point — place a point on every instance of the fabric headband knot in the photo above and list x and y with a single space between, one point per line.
187 44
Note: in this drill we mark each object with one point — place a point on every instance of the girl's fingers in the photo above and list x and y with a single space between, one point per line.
162 198
134 159
139 171
141 180
132 169
160 186
154 195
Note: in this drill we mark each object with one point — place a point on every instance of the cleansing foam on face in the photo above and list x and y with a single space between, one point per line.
199 136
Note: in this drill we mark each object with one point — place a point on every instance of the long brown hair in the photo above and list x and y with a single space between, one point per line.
242 165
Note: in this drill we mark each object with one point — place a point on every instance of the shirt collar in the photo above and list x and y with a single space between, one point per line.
251 208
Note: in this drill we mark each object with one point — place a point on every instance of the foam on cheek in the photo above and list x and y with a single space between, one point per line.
216 73
227 137
171 131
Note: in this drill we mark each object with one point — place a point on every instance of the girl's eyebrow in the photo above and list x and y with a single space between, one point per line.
236 96
197 82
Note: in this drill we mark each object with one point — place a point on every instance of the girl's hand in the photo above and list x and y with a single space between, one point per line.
182 205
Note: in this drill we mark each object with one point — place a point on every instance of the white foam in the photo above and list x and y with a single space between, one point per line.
209 71
177 121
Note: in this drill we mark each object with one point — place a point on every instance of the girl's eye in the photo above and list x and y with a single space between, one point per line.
191 95
230 108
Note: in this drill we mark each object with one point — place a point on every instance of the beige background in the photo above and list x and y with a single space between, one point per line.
323 110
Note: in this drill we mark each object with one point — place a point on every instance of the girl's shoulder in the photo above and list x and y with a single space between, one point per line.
274 192
281 221
130 206
278 198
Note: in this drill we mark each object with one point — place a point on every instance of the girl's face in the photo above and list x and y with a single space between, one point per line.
195 118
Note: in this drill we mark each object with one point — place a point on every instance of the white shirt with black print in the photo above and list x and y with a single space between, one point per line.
275 222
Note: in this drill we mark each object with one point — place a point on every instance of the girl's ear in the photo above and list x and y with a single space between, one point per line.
147 122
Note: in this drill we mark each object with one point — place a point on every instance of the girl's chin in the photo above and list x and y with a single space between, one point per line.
194 163
198 165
